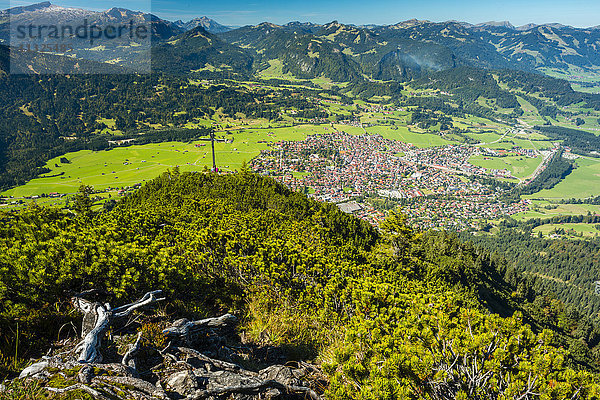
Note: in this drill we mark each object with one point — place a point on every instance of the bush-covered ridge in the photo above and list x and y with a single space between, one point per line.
391 313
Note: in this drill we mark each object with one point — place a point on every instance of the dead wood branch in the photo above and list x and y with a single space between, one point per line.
226 366
129 357
78 386
255 389
184 329
139 384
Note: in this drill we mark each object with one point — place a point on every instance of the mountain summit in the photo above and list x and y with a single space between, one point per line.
208 24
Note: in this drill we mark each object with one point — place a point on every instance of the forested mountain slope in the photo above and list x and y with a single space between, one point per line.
196 50
340 52
38 111
565 268
391 313
505 47
407 50
400 51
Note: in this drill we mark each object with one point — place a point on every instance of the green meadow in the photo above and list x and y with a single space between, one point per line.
126 166
583 182
119 167
509 142
591 123
519 166
576 76
275 71
570 230
396 117
352 130
477 123
484 137
403 134
543 209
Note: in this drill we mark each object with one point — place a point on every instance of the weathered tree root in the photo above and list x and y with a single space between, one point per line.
34 369
223 365
138 384
185 330
77 386
254 389
88 348
129 357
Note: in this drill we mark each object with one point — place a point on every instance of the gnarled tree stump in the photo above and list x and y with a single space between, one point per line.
88 348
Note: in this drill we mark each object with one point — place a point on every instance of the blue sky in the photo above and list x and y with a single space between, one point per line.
581 13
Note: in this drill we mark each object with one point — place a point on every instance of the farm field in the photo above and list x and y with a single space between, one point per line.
583 182
519 166
403 134
539 210
126 166
572 231
581 80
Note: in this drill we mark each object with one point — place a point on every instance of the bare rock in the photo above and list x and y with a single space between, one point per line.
183 383
280 373
228 379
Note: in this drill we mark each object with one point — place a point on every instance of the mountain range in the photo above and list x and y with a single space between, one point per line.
340 52
208 24
409 49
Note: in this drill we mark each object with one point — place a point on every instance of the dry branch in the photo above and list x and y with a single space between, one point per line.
226 366
254 389
136 383
78 386
183 328
128 358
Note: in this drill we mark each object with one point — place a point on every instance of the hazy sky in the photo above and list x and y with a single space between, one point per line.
580 13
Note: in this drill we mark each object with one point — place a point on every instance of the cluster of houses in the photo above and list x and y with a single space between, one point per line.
340 168
459 213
